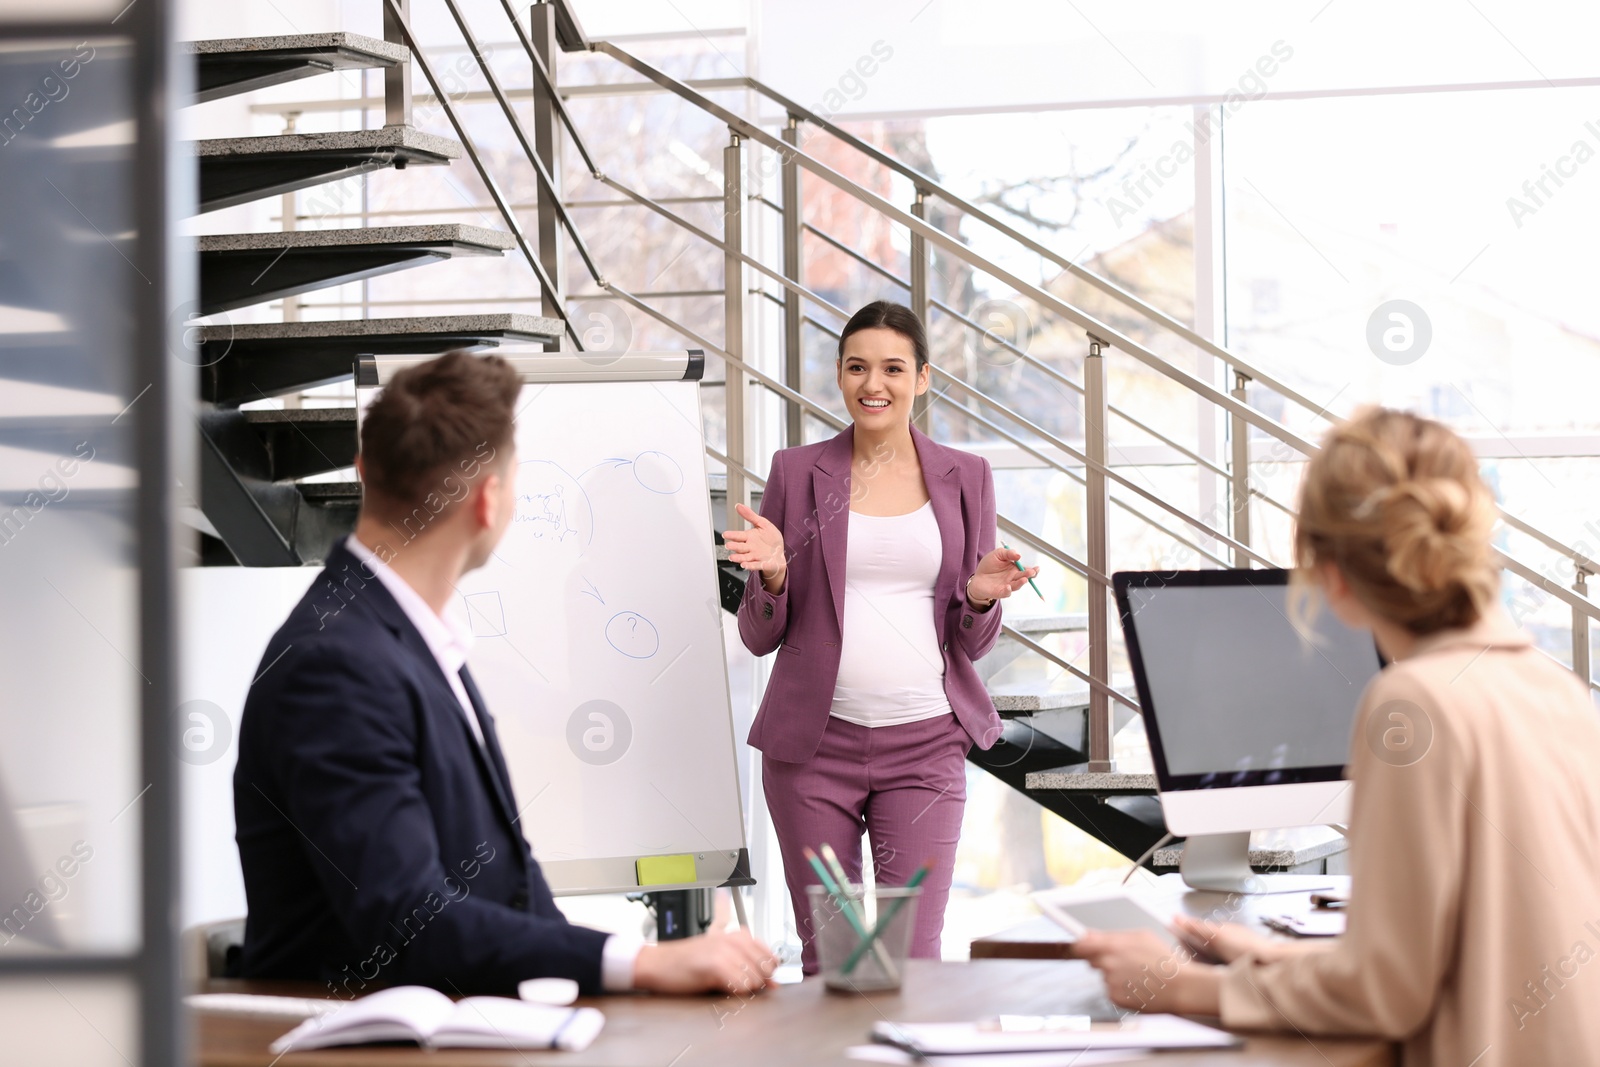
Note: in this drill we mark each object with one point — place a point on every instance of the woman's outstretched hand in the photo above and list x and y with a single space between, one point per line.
759 548
997 576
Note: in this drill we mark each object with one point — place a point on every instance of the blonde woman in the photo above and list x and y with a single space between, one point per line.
1474 929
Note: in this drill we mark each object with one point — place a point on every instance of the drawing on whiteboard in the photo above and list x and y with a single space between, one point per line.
658 472
486 614
633 635
593 591
655 471
551 505
599 732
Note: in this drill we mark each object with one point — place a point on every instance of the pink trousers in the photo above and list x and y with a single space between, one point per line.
906 786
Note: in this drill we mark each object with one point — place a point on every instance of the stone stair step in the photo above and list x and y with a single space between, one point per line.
1078 781
237 170
240 269
1012 701
239 65
301 442
254 361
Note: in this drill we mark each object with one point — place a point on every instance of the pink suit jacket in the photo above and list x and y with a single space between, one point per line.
808 499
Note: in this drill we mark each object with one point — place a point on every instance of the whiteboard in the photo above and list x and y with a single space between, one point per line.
598 640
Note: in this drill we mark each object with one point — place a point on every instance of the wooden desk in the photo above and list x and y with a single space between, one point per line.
789 1026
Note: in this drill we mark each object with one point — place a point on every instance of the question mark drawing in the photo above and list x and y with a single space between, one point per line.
639 641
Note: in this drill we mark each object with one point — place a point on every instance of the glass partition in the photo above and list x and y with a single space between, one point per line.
87 473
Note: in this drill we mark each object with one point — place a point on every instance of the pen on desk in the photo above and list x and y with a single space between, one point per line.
1020 567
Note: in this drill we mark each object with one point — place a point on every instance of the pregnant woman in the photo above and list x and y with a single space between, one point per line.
876 580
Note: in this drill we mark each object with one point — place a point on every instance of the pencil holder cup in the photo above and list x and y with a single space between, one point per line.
863 938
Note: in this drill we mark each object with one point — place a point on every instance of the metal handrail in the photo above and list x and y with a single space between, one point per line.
506 214
927 185
543 73
1106 333
930 186
550 191
1096 329
565 219
1081 457
1583 608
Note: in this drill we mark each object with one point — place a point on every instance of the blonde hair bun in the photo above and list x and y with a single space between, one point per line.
1435 531
1396 501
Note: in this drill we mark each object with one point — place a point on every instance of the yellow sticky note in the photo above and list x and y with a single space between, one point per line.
665 870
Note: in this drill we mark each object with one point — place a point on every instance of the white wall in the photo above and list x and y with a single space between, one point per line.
229 614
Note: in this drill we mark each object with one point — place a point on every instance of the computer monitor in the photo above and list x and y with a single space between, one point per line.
1249 719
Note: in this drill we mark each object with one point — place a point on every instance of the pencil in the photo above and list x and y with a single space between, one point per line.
884 920
836 891
848 904
1020 567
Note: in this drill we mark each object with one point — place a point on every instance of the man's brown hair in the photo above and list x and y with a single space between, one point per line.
436 422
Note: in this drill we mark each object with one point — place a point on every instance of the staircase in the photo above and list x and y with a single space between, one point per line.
260 508
1060 716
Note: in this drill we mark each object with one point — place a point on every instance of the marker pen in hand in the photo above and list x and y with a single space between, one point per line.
1020 567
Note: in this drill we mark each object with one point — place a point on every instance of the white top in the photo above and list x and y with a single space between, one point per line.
891 669
449 646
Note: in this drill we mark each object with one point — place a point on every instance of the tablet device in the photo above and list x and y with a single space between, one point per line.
1078 911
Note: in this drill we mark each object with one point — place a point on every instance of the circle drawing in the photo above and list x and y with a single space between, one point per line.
599 732
633 635
658 472
204 732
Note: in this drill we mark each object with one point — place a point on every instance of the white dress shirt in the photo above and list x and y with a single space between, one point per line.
449 645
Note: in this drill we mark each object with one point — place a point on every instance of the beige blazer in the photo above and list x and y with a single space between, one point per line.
1474 933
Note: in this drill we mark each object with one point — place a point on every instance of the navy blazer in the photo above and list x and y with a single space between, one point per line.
379 841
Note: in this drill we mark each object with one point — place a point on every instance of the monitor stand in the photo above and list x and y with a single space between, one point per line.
1220 863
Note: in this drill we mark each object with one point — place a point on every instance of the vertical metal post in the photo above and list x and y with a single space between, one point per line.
733 314
1240 490
164 193
1210 311
1096 512
793 334
1580 627
397 79
919 298
547 145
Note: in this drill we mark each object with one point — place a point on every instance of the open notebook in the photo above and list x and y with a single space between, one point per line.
433 1020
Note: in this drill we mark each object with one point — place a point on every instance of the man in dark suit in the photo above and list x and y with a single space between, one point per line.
376 824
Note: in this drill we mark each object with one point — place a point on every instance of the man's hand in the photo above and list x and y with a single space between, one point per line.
1145 973
715 963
